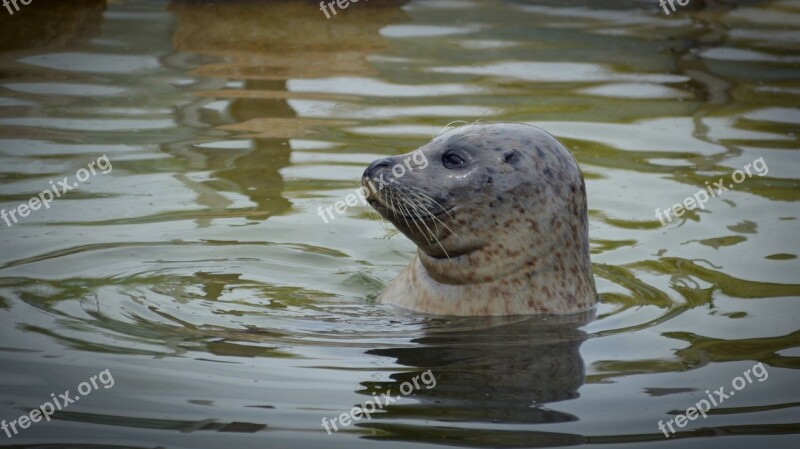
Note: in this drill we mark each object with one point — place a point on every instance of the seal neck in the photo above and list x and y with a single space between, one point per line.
554 285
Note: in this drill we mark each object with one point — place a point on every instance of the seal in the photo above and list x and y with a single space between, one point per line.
500 221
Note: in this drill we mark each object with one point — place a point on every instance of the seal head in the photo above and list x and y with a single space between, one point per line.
498 213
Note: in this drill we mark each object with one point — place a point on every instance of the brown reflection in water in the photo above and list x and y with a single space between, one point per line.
510 373
265 44
281 40
43 26
51 24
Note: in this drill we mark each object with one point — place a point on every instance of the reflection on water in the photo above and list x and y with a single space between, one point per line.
512 373
200 274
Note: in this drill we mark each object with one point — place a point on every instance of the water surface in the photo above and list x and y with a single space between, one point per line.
199 273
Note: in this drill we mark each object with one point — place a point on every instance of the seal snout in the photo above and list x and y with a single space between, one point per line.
373 178
376 167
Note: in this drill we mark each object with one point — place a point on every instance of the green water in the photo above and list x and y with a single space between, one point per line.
198 272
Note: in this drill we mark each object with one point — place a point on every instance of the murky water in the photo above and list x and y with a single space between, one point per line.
198 271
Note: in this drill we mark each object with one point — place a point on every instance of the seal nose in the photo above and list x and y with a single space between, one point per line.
375 167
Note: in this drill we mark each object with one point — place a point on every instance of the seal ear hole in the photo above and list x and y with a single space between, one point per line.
508 157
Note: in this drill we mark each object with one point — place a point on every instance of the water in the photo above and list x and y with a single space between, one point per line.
198 272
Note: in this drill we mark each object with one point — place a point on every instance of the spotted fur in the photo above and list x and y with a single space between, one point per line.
506 234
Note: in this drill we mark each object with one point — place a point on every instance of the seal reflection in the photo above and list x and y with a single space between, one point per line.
488 370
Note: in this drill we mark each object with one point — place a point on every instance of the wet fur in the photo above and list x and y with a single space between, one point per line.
508 235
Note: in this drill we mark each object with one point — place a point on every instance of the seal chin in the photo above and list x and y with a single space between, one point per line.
450 251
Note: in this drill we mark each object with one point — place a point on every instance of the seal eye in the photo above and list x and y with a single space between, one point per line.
452 160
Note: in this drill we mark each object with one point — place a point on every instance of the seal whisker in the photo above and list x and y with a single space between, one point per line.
399 206
435 218
419 206
415 209
422 194
390 199
383 221
412 209
461 137
454 233
435 238
415 222
406 219
445 127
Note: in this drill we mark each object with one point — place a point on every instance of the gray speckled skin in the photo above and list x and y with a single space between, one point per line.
515 229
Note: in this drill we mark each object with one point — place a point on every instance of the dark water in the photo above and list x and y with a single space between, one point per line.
198 273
